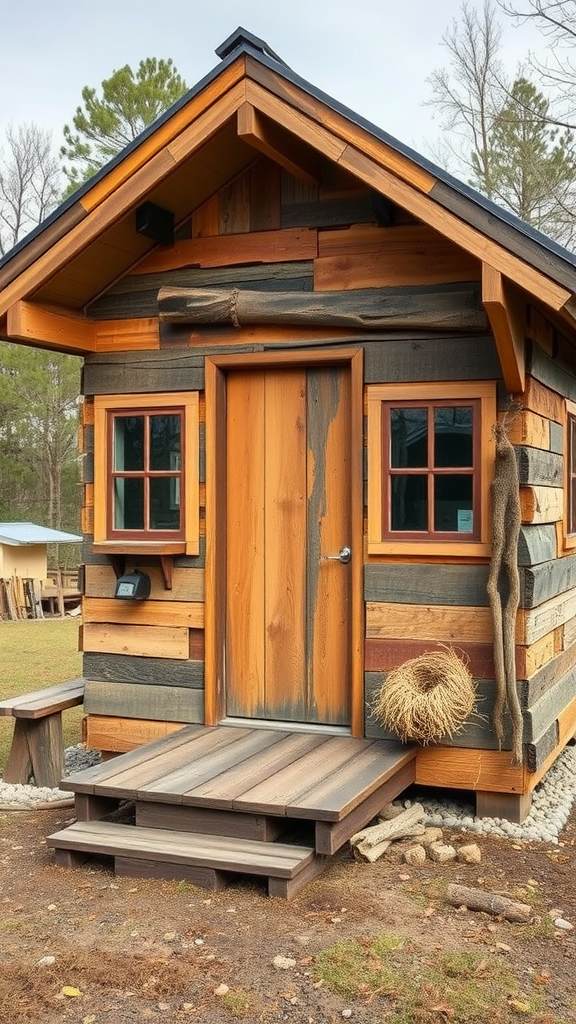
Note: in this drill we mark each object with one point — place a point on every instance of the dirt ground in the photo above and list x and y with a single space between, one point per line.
122 950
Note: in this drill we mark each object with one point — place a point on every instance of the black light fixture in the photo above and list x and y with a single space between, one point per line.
133 586
155 222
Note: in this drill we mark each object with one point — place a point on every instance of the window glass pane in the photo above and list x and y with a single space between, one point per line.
409 438
453 436
453 503
128 503
165 503
128 443
409 502
165 442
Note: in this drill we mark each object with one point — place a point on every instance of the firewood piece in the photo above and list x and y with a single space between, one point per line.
498 906
396 828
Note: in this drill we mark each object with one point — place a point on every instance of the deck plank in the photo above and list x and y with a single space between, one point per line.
160 770
225 853
89 779
221 791
351 783
242 744
282 788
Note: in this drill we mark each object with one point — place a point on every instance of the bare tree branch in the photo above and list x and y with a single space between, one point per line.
30 182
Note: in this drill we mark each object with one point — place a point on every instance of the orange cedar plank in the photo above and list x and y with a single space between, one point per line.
463 768
529 428
285 542
395 262
245 670
220 251
143 641
122 734
541 504
144 613
127 335
443 623
542 400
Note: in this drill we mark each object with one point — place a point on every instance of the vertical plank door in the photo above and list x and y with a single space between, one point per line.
288 506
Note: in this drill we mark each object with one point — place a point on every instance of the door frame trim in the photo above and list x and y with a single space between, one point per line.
216 367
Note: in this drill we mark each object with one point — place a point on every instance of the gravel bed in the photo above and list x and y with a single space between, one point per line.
13 796
551 803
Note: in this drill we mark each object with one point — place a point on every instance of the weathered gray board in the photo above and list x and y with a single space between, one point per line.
124 668
153 703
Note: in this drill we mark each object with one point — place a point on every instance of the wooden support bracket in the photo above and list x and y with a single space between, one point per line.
281 146
27 321
507 319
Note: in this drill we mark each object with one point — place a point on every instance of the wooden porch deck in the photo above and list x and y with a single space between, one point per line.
214 802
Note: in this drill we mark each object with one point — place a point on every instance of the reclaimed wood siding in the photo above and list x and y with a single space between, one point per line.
339 236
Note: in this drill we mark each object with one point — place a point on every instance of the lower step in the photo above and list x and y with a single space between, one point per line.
206 860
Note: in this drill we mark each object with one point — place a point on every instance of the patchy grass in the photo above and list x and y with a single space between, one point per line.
415 987
35 653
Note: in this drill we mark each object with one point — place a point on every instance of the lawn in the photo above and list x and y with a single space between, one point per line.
35 653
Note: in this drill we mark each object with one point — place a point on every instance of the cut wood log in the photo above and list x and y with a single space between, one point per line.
489 903
445 309
395 828
372 842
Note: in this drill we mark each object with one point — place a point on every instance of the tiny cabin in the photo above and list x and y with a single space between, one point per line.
297 338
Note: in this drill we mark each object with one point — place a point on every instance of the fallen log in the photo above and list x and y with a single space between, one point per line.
488 903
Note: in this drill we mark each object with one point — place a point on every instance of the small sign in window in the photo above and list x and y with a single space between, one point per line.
465 520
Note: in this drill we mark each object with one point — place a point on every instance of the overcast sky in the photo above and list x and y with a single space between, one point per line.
372 55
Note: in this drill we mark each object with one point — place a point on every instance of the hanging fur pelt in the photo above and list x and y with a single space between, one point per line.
505 500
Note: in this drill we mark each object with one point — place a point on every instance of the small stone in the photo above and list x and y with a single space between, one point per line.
346 1014
283 963
565 926
415 856
221 990
46 961
429 836
169 936
198 942
469 854
163 1006
441 853
404 877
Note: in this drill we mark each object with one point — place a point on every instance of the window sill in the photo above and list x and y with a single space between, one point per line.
139 547
457 549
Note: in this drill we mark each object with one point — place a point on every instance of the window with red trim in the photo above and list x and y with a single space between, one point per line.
430 462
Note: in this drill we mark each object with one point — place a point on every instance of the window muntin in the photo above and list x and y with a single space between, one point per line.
146 471
430 464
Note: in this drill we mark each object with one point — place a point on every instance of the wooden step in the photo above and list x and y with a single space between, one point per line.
206 860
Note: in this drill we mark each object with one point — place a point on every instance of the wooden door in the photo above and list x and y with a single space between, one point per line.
288 614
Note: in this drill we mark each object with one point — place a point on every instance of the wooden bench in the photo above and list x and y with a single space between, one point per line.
37 744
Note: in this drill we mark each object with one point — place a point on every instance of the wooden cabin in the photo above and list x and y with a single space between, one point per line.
260 287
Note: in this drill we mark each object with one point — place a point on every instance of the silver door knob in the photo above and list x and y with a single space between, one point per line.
344 556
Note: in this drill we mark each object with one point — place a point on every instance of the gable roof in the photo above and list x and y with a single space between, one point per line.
252 102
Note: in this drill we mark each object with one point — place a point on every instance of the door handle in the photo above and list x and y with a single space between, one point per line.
344 556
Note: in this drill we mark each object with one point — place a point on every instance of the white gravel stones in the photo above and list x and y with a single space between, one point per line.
17 796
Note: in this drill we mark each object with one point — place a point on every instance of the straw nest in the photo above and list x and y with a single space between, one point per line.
427 697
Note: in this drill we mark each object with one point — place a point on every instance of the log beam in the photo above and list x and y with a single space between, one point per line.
282 147
438 309
507 320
